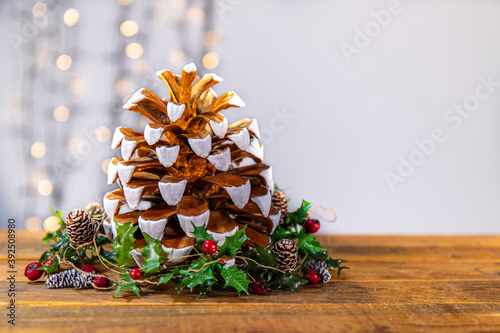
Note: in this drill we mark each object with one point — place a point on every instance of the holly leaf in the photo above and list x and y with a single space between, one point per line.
164 278
281 233
199 275
308 243
288 280
265 256
300 214
201 234
235 278
124 243
233 243
52 268
152 255
135 286
59 217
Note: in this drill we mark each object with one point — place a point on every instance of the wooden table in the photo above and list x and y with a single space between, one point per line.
396 284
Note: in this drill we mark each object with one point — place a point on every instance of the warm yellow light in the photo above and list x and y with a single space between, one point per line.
141 67
51 224
134 50
61 113
37 176
210 60
126 98
211 38
71 17
179 4
129 28
196 14
39 9
77 85
45 187
32 224
75 144
64 62
177 57
125 2
38 150
102 134
123 86
104 165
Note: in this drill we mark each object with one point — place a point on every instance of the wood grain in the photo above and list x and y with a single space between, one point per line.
396 284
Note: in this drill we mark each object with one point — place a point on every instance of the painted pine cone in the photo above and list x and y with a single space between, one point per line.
94 210
80 227
321 268
288 255
324 274
69 278
280 202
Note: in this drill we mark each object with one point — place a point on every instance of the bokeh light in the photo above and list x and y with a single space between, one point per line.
61 113
179 4
51 224
211 38
45 187
39 9
129 28
196 14
38 150
33 224
125 2
177 57
104 165
123 86
102 134
134 50
71 17
210 60
64 62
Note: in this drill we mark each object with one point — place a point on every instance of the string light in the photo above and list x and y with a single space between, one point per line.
64 62
61 114
125 3
51 224
71 17
104 165
129 28
39 9
210 60
45 187
196 14
177 57
32 224
134 50
102 134
38 150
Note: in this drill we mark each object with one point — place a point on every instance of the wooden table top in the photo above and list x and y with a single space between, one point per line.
396 284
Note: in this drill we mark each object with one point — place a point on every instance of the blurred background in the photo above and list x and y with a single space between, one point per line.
387 111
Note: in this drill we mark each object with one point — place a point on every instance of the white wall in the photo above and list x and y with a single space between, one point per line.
349 121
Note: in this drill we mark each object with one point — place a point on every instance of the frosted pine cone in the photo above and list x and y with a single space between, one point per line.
94 210
324 274
80 227
288 255
321 268
280 202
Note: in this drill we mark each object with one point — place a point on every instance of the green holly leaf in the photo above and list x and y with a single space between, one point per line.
265 256
235 278
281 233
178 284
300 214
135 286
152 255
164 278
199 275
52 268
308 243
288 280
59 217
124 243
233 243
201 234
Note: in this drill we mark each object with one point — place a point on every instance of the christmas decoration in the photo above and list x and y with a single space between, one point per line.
31 271
81 228
287 254
195 207
311 226
280 202
69 278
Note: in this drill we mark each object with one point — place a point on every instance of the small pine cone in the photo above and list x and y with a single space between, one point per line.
83 281
308 265
321 265
280 202
94 210
80 227
288 255
324 274
62 279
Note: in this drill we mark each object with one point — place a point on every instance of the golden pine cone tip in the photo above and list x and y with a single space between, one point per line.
288 255
81 229
280 202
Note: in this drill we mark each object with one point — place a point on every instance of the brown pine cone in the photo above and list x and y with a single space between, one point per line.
280 202
94 210
80 227
288 255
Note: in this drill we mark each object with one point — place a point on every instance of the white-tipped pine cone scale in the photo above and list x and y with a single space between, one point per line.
190 166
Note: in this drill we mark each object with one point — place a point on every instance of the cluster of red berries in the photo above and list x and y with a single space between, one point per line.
32 272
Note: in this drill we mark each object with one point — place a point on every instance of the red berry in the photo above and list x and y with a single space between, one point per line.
209 246
135 274
260 287
312 276
101 281
311 226
89 269
31 271
48 262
